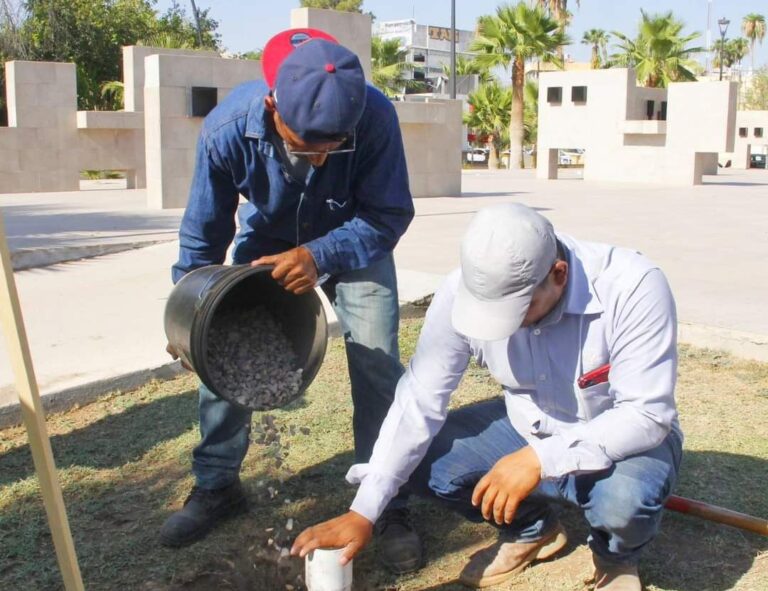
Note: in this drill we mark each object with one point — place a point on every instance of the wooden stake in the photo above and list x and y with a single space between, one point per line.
34 419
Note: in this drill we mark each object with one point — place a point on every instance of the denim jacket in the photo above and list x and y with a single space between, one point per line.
349 213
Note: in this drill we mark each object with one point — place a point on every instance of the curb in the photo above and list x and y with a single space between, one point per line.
32 258
64 400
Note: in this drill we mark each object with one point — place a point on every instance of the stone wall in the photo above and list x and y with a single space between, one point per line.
154 139
621 144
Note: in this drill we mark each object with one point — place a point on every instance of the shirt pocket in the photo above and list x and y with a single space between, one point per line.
595 400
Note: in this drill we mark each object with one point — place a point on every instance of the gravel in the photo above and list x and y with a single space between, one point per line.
250 360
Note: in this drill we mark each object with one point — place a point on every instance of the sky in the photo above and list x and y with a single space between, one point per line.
247 24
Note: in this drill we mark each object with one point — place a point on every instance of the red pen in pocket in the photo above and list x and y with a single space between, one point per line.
594 377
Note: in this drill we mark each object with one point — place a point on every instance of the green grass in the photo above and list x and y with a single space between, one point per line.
124 466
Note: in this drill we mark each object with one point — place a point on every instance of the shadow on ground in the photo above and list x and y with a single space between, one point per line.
49 226
115 523
93 446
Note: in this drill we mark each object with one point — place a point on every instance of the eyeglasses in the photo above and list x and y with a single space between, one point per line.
346 146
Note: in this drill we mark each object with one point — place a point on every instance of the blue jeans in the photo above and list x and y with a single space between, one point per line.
365 302
623 504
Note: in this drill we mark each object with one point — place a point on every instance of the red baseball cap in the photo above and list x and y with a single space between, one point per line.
282 45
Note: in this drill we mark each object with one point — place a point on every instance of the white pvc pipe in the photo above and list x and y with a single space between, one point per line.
323 572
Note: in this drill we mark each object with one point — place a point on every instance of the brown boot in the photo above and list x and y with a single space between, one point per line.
503 560
611 576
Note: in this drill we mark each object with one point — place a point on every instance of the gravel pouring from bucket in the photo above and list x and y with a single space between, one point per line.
249 340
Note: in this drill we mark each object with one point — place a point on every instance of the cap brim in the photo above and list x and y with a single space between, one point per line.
486 320
281 45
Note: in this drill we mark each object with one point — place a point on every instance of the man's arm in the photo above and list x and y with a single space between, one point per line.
415 417
643 357
384 202
208 225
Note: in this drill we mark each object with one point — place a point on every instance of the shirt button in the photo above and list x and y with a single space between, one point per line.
537 331
543 377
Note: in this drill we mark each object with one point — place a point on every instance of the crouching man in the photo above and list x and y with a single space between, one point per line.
539 310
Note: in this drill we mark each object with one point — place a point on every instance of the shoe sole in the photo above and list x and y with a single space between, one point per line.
548 550
403 568
233 510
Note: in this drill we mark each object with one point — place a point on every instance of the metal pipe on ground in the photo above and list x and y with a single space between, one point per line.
698 509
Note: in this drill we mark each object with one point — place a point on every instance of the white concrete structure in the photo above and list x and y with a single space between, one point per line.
171 129
48 142
432 136
634 134
750 137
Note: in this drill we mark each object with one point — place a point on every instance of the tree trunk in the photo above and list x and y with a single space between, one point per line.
493 156
516 121
595 57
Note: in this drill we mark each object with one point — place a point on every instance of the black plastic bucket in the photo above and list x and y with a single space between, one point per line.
203 293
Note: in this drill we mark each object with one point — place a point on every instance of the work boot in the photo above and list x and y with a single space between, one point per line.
612 576
504 559
398 544
202 510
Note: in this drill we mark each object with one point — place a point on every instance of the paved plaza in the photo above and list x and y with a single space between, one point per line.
96 324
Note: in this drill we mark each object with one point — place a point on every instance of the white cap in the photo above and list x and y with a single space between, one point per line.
507 251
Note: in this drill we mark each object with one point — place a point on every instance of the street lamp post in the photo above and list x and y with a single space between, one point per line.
453 49
723 24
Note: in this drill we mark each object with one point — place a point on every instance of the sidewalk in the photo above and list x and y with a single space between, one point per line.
95 324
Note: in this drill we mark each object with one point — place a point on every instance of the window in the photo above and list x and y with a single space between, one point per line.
555 94
204 99
419 75
758 132
579 94
650 107
663 112
419 57
743 131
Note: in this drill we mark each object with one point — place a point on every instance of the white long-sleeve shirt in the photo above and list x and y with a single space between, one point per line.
617 308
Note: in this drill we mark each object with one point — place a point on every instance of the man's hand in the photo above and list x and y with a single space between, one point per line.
510 480
351 531
172 352
295 269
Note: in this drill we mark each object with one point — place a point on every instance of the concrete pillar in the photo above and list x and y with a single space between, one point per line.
171 132
353 30
42 106
546 163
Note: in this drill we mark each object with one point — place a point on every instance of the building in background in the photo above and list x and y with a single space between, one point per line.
428 48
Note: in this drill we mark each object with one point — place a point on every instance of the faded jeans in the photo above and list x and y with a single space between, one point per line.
365 302
623 504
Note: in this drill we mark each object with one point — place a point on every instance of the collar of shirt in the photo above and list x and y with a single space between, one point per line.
580 297
255 123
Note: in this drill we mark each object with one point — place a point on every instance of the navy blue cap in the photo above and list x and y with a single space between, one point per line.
320 90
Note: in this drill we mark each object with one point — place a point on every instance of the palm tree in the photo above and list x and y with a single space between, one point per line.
598 39
168 40
753 27
468 67
659 53
488 116
512 36
733 51
531 116
557 9
388 66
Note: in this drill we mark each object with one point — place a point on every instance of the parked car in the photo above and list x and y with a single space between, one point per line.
566 157
477 155
758 161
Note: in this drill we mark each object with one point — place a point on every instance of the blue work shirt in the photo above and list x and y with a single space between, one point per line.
349 213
